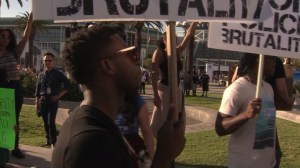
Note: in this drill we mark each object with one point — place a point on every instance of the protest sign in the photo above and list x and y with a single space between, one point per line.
170 10
279 35
7 118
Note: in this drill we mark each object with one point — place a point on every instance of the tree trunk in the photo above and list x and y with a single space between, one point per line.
191 54
30 41
138 38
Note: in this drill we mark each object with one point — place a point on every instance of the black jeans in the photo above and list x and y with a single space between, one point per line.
142 88
49 111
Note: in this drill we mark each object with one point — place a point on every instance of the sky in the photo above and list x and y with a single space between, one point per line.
15 8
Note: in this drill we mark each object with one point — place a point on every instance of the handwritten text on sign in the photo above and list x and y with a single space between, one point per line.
279 35
7 118
154 9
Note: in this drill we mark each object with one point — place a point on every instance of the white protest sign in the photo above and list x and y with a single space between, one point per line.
171 10
279 35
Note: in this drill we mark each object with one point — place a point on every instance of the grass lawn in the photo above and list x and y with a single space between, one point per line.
206 149
203 149
212 102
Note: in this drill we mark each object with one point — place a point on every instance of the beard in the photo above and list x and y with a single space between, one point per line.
128 83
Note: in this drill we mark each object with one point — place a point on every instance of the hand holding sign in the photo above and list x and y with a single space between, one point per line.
170 139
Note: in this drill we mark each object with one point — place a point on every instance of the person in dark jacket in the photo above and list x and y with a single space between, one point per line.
51 86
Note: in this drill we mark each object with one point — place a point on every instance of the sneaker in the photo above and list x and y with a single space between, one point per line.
46 145
18 153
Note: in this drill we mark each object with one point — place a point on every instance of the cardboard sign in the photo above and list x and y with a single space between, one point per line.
7 118
279 35
170 10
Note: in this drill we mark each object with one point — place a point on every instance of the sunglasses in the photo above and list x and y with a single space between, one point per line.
130 52
47 60
7 37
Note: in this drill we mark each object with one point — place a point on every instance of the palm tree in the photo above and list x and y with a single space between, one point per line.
37 25
139 25
7 3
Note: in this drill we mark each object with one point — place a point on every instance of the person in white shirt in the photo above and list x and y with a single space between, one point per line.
250 121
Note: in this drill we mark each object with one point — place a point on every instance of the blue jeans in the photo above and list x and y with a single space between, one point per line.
48 110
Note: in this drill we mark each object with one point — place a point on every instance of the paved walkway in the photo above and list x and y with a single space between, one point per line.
198 119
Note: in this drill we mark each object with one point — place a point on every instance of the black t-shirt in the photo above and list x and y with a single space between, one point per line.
90 139
164 70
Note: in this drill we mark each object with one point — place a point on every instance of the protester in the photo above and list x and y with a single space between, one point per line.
10 53
250 121
187 82
204 78
282 99
160 87
134 115
143 83
51 86
100 60
195 83
4 153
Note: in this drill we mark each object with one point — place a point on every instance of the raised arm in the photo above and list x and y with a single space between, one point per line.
143 118
187 38
26 34
158 53
235 75
226 124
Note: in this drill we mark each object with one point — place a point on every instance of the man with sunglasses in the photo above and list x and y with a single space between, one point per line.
51 86
100 60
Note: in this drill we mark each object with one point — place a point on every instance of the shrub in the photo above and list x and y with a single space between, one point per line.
28 82
74 94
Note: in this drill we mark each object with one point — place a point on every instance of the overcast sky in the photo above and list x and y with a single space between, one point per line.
15 8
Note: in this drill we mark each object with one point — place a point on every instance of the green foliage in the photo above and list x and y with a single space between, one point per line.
147 63
74 94
8 5
28 82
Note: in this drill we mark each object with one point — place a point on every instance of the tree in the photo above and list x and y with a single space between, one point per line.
7 3
37 25
139 25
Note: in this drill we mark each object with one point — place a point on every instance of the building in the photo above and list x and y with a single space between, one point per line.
52 40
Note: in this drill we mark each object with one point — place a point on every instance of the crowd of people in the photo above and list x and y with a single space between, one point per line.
104 130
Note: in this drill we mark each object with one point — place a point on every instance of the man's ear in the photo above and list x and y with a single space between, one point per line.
107 66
